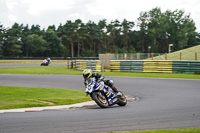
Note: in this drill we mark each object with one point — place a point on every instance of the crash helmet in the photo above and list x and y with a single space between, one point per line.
87 73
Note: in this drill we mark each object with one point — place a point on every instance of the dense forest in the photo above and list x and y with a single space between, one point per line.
152 32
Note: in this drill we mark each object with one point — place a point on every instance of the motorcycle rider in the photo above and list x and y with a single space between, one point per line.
87 73
49 60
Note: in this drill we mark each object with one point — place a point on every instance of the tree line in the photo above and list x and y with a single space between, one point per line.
152 32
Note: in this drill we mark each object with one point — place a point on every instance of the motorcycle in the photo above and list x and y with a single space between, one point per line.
45 63
103 95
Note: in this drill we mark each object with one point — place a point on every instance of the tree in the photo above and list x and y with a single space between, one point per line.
126 29
103 35
143 24
158 29
82 36
93 38
181 28
197 39
12 43
54 46
2 34
114 30
75 39
61 33
70 31
25 33
35 46
35 29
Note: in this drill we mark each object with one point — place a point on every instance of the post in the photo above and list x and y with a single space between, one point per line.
149 48
122 56
117 56
131 56
107 60
138 56
165 56
125 56
152 56
69 64
195 55
180 56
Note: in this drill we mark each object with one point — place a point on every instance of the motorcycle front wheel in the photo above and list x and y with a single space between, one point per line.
122 100
100 99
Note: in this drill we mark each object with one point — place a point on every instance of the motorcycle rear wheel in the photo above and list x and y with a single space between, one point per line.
100 99
122 100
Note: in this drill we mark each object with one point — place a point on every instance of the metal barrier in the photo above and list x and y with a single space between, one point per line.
186 66
131 66
161 66
155 66
94 65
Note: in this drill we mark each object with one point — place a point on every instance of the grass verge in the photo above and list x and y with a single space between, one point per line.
64 70
23 97
184 130
31 62
40 70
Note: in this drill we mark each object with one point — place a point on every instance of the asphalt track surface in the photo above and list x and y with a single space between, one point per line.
162 103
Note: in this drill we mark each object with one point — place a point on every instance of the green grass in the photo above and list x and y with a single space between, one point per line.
184 130
64 70
40 70
187 54
23 97
2 61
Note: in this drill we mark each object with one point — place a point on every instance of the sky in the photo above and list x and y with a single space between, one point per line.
56 12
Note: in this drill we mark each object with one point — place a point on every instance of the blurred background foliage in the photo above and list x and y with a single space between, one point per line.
152 32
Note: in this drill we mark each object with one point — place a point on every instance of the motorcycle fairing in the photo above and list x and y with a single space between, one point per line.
112 99
92 86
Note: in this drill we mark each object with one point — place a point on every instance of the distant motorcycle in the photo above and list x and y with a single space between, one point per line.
45 62
103 95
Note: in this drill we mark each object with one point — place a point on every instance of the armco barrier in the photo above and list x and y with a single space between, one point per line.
94 65
81 64
126 66
161 66
157 66
186 66
115 66
131 66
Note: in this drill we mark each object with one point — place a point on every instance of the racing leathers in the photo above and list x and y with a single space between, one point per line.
99 77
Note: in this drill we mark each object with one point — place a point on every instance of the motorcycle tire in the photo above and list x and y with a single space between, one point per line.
122 100
100 99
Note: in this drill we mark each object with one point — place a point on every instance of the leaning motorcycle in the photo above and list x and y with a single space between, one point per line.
45 63
103 95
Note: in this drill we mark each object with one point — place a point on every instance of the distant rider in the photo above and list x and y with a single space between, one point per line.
49 60
87 73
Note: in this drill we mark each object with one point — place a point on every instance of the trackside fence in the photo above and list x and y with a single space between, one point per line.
186 67
94 65
155 66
